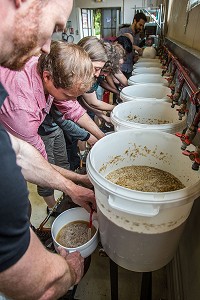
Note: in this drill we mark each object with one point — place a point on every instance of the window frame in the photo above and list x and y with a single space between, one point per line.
192 4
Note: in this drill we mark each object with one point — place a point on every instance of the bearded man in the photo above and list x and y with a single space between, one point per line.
135 29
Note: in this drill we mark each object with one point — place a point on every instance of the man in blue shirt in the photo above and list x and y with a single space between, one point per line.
134 29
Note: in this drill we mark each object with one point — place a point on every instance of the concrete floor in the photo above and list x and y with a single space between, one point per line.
95 285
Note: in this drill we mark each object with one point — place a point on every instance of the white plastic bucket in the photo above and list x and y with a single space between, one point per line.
147 78
71 215
140 231
144 70
147 114
147 64
145 91
149 52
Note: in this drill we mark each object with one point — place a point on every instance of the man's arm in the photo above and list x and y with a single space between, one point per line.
121 78
68 126
92 100
37 170
100 114
138 49
72 129
111 83
74 111
50 278
86 122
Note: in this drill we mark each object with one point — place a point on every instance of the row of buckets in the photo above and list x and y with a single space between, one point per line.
140 231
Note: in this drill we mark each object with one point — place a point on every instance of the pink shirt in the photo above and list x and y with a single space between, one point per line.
26 106
70 109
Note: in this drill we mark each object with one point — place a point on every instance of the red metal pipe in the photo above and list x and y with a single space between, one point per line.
188 80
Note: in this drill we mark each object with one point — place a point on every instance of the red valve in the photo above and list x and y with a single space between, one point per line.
169 79
182 111
183 138
193 155
189 153
170 96
176 95
180 135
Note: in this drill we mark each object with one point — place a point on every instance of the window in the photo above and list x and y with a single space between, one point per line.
86 22
192 4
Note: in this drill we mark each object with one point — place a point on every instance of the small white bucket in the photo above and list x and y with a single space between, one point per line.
147 79
71 215
145 91
147 114
145 70
140 231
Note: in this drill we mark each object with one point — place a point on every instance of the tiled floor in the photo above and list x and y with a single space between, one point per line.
96 283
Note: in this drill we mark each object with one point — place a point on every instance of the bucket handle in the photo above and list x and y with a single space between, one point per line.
133 207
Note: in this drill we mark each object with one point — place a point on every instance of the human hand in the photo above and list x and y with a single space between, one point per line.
106 118
138 49
84 197
84 180
135 58
92 140
75 262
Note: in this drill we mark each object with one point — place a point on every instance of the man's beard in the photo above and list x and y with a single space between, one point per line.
19 58
25 39
137 30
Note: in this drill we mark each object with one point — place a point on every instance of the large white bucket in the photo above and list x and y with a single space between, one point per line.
140 231
147 114
145 59
149 52
144 91
144 70
147 78
147 64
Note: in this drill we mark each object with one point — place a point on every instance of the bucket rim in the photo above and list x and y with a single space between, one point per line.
119 120
174 198
188 192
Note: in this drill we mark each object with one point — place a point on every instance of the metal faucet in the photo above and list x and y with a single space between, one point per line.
188 136
183 101
194 156
183 109
179 82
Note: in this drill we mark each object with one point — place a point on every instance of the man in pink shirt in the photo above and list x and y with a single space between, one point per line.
30 98
32 90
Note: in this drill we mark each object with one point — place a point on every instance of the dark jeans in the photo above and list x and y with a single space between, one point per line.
57 155
72 152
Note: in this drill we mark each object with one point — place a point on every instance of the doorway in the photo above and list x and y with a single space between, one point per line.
101 22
